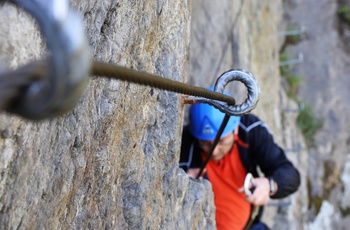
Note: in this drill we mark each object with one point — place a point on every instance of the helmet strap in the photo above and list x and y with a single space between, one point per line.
216 141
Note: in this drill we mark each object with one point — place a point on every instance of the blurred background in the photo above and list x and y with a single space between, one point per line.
299 52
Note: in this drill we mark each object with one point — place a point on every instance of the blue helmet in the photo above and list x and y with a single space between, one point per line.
205 121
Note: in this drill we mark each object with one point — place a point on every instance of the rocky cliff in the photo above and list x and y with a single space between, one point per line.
325 85
112 162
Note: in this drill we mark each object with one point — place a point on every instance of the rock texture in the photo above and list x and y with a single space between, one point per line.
326 86
112 162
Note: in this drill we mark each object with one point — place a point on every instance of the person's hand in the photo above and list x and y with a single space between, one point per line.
261 193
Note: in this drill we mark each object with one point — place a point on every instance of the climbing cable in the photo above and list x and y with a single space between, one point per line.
143 78
12 84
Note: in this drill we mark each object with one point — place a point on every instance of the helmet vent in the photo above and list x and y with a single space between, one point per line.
208 130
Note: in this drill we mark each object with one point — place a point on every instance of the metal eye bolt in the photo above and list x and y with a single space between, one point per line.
58 87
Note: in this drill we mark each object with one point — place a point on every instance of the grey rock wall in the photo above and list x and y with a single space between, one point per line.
238 34
325 86
111 163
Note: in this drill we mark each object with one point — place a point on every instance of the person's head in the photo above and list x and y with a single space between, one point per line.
205 121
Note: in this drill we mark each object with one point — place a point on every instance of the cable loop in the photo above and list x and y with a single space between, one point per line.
54 89
234 110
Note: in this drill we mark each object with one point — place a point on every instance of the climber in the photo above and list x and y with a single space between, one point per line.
246 143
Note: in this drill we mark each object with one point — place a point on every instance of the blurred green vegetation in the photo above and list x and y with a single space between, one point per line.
307 120
344 13
309 124
295 38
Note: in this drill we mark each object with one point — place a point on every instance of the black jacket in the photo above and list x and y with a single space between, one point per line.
261 151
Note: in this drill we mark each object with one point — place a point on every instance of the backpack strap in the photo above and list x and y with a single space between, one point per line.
247 158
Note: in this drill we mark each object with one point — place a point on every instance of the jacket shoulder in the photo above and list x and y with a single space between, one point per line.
250 123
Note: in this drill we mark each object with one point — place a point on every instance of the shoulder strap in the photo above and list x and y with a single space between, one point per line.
245 155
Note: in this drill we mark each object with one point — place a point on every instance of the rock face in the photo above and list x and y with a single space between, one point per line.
112 162
324 70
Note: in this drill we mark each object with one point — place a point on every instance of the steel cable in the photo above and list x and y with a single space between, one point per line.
143 78
14 83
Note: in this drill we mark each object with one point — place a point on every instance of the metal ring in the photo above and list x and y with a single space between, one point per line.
69 65
235 75
247 182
